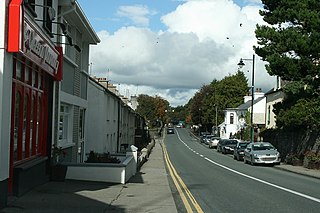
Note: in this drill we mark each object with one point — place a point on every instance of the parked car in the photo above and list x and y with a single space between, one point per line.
207 139
238 151
170 130
226 146
203 136
213 142
261 153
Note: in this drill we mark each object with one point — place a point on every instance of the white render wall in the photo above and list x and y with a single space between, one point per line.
259 110
5 97
102 120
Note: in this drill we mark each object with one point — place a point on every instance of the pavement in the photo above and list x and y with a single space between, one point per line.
148 191
315 173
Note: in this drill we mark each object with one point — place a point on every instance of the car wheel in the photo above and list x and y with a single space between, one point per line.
252 163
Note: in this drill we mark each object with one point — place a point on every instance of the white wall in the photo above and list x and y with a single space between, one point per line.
102 120
5 97
259 112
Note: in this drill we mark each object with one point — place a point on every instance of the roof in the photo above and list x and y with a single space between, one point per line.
247 105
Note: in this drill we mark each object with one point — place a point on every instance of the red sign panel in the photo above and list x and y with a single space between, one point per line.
26 37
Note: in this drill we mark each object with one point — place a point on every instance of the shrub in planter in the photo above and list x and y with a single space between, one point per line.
58 171
101 158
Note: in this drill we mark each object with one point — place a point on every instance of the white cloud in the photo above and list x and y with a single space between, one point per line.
139 14
204 41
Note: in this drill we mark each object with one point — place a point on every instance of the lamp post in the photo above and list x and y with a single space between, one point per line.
241 64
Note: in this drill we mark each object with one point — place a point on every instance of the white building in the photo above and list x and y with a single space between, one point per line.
234 117
72 96
112 124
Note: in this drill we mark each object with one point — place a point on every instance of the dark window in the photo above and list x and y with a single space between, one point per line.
30 5
48 16
231 118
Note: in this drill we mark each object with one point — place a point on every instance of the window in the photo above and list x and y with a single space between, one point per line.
48 15
269 113
30 5
28 130
64 124
231 118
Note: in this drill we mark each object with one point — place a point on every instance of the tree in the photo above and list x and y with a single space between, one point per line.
216 97
290 44
152 108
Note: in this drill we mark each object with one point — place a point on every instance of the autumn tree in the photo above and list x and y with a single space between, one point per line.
290 43
152 108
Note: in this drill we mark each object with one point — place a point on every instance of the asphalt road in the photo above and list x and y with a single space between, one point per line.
221 184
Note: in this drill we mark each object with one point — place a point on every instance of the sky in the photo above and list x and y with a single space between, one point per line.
171 48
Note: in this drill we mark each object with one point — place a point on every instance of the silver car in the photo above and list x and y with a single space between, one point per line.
261 153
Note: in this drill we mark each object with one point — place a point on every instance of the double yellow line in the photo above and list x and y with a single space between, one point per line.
181 187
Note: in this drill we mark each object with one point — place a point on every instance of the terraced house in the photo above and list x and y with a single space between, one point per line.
44 81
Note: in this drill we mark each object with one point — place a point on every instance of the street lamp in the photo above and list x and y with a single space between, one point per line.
241 64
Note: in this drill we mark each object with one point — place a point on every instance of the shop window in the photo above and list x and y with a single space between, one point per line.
28 127
16 124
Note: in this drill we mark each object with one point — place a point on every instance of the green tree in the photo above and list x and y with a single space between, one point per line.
290 44
216 97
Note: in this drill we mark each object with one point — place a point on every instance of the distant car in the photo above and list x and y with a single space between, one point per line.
213 142
226 146
238 151
170 130
203 136
261 153
207 139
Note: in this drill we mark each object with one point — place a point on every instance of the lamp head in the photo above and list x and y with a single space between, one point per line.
241 63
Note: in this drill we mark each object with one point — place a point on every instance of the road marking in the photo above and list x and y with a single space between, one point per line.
265 182
176 178
259 180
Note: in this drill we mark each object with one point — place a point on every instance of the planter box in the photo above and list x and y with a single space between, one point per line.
103 172
58 172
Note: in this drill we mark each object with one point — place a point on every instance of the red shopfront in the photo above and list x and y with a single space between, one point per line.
36 65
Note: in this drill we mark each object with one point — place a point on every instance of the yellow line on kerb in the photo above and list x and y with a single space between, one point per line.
176 178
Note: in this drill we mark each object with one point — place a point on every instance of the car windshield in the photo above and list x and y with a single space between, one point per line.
262 147
231 142
243 145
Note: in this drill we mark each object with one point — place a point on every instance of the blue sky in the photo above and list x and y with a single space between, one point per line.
105 16
171 48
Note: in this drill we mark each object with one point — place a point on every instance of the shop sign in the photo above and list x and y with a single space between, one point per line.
37 49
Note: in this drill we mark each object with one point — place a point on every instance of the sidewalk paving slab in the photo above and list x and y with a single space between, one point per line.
148 191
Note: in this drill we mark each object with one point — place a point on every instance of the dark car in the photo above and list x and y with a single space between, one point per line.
203 136
238 151
170 130
226 146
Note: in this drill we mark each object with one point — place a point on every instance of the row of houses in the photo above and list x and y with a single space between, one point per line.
263 115
47 97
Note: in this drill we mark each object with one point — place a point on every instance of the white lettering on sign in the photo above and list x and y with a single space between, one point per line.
37 46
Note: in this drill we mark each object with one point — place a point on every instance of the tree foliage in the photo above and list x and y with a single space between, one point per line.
290 44
153 109
211 100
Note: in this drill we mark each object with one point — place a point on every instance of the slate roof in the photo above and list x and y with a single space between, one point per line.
247 105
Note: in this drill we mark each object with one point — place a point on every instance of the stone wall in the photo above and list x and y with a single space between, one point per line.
292 142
